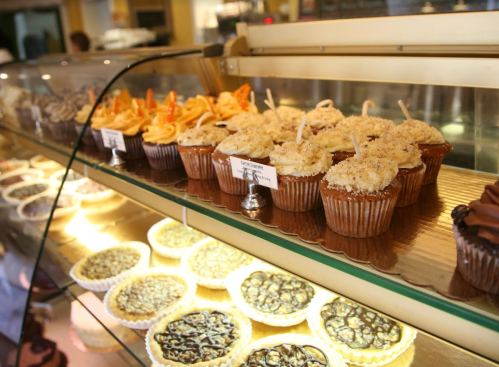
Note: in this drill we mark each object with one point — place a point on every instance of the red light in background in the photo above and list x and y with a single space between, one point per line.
268 20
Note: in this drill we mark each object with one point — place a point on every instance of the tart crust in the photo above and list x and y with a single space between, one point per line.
45 186
236 279
234 324
178 293
103 284
368 357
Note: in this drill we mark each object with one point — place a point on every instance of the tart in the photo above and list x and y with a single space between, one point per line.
11 165
139 299
22 191
270 295
361 336
205 335
38 207
22 175
170 238
91 192
290 350
43 163
103 269
73 179
209 262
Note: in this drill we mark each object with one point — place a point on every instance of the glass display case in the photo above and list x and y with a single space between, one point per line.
408 273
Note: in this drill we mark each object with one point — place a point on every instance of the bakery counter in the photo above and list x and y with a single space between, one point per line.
420 244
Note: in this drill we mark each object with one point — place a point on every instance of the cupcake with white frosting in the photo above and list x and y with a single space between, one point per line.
324 116
60 120
337 141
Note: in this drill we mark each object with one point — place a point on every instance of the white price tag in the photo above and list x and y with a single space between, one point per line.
267 175
113 139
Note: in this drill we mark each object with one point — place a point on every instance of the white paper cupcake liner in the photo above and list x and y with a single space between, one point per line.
364 358
185 301
212 283
243 322
236 278
334 359
58 212
12 201
174 253
102 285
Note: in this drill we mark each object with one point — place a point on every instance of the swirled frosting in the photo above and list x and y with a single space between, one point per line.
205 135
285 113
370 174
129 123
370 125
102 118
404 153
338 140
82 115
60 112
304 159
324 116
251 143
246 120
286 130
418 132
484 213
163 134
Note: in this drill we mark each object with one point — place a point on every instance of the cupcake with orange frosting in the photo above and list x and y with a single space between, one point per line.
359 196
160 139
248 144
230 104
196 146
324 116
194 108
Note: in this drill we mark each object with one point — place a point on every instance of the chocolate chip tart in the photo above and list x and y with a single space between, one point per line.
210 261
363 337
270 295
290 350
144 296
206 335
101 270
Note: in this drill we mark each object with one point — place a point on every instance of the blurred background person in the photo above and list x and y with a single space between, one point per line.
79 42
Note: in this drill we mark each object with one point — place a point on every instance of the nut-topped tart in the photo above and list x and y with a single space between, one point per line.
22 191
362 336
100 271
289 350
205 335
138 300
270 295
91 192
37 208
19 175
11 165
170 238
209 262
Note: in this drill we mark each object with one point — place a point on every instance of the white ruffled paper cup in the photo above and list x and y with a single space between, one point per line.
329 355
212 283
94 197
244 324
359 357
58 212
145 323
102 285
15 201
170 252
234 281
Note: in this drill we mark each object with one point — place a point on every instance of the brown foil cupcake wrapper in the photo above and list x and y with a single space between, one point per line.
297 195
25 119
133 146
99 141
433 164
411 185
61 130
88 137
228 184
162 156
360 219
341 156
477 266
198 165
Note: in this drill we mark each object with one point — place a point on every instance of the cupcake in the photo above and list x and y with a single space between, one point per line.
196 147
250 145
359 196
80 119
60 120
10 165
245 120
431 144
194 108
337 141
363 337
291 114
323 116
477 238
286 130
300 168
410 167
372 126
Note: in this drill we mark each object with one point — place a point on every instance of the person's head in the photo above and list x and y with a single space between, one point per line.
79 42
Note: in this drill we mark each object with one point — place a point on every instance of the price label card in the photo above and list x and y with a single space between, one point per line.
267 175
113 139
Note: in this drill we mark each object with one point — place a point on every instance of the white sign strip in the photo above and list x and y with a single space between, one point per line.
266 175
113 139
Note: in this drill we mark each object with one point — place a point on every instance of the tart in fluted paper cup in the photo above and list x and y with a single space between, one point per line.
221 331
170 238
43 163
292 350
37 208
19 175
210 261
101 270
12 165
144 296
342 325
73 179
286 303
22 191
91 192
